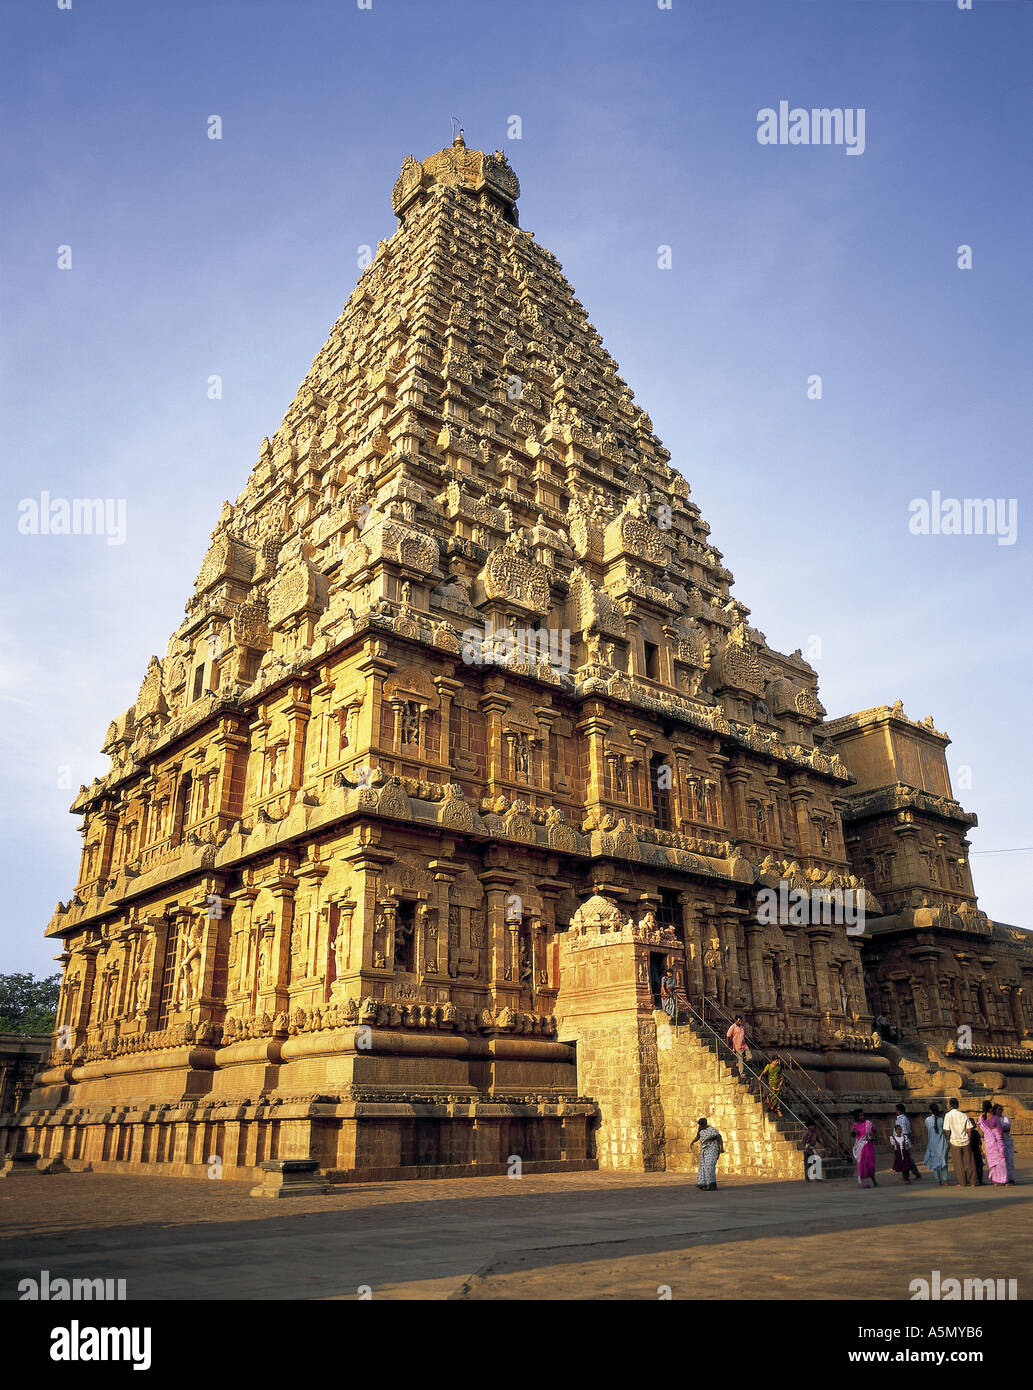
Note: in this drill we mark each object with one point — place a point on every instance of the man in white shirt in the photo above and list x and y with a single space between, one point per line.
957 1126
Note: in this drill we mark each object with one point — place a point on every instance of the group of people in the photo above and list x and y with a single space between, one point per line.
771 1078
975 1147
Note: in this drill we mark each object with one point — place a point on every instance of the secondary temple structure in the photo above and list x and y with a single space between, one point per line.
462 742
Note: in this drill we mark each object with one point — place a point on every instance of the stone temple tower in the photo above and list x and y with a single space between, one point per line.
461 701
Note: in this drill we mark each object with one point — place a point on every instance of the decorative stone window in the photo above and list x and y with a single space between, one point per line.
659 788
168 973
197 689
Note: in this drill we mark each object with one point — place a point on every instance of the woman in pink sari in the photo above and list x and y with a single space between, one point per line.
864 1149
993 1144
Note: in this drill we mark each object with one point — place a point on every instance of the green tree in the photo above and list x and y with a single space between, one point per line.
28 1005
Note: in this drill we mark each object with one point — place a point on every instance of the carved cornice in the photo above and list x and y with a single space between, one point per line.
884 800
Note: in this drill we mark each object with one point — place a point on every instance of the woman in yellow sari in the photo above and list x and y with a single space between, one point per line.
772 1078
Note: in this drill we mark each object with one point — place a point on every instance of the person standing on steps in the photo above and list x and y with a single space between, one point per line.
936 1145
771 1078
905 1125
711 1147
958 1127
668 1002
736 1037
864 1149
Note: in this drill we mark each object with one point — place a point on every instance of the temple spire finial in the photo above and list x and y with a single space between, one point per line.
457 140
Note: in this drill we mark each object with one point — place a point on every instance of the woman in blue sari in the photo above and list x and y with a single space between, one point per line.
936 1147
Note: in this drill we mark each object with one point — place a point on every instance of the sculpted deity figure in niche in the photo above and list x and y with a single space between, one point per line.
620 776
403 942
189 969
245 961
142 975
340 949
429 924
526 963
410 722
108 992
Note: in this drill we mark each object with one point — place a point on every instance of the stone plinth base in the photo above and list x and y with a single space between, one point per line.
52 1165
290 1177
19 1165
354 1139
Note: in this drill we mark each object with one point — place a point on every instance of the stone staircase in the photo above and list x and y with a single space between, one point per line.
696 1080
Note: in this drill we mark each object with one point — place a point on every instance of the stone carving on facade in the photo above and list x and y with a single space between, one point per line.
512 574
188 972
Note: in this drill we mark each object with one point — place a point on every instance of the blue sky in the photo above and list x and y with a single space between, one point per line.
193 257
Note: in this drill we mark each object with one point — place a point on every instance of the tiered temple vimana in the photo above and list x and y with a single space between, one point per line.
462 742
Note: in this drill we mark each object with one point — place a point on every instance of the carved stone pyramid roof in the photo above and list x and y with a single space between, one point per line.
464 425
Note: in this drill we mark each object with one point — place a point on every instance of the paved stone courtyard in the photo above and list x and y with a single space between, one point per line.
578 1236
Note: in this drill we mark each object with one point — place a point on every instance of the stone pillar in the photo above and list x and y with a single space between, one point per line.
800 797
855 985
367 864
762 1000
83 1007
680 755
447 690
733 966
546 717
819 940
738 780
693 947
229 789
594 730
310 875
242 964
719 765
109 818
494 706
498 885
273 996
